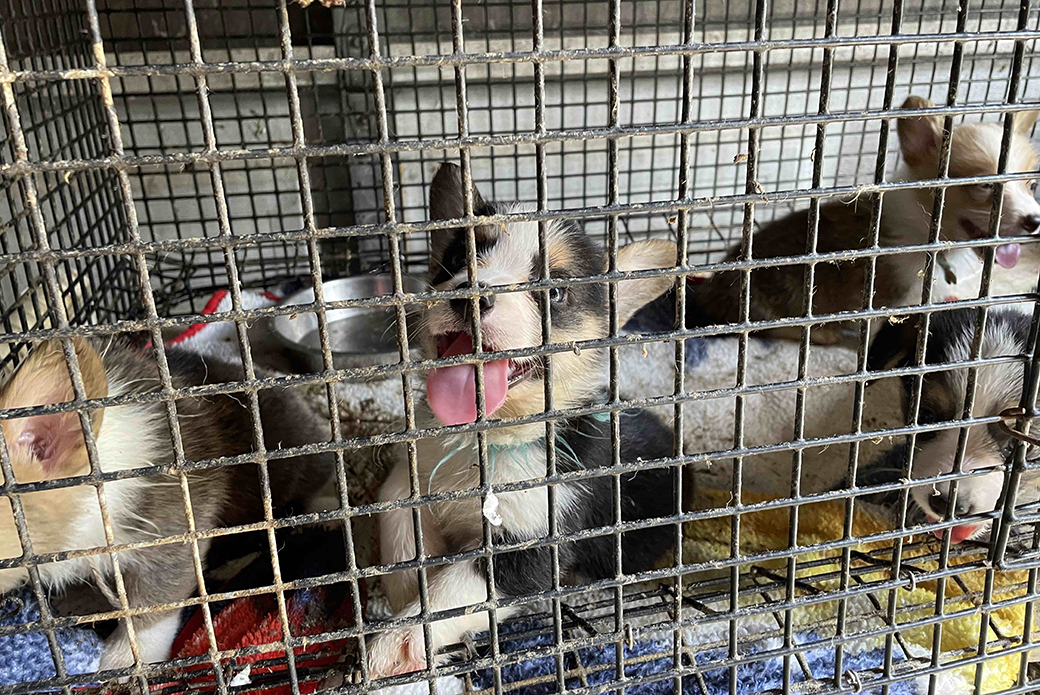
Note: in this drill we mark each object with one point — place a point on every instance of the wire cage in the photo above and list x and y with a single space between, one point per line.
165 162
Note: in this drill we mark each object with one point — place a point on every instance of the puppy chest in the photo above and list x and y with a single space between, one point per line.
525 513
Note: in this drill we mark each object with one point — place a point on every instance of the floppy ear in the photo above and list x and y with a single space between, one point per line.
55 442
919 136
633 295
1025 120
446 200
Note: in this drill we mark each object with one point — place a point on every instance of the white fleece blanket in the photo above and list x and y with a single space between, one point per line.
769 416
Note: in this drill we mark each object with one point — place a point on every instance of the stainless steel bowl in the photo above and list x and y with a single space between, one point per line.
360 337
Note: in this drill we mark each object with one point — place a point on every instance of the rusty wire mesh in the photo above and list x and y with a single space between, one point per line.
154 152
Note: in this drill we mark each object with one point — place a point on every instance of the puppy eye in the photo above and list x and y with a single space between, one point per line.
557 294
985 187
1032 186
456 259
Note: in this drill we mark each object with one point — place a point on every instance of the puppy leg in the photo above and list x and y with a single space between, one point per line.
153 576
154 635
397 538
403 650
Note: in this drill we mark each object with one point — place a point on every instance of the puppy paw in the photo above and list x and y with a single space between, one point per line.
116 654
395 652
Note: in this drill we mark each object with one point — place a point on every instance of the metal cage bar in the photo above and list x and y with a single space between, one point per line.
224 139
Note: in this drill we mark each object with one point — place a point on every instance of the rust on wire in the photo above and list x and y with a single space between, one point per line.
1010 418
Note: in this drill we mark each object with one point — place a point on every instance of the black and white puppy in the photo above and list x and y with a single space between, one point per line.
998 387
145 508
506 255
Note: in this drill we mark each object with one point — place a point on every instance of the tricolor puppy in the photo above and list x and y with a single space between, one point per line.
128 437
509 254
906 215
998 387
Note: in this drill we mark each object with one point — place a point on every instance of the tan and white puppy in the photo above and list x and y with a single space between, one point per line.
52 447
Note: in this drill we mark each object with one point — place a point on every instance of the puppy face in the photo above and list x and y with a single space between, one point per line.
942 399
508 255
975 151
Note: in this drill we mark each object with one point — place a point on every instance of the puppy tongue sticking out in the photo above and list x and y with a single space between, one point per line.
1007 255
452 391
959 533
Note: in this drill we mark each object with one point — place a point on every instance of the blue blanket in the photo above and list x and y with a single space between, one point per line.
26 657
755 677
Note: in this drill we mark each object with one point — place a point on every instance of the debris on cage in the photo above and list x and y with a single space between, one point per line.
683 326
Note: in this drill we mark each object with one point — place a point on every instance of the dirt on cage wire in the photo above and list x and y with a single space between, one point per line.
709 450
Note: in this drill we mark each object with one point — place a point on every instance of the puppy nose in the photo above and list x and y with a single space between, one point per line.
941 502
1030 223
462 304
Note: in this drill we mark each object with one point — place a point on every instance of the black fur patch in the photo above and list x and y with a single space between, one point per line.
644 495
453 259
585 260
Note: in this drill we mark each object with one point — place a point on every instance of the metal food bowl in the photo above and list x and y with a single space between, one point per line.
359 337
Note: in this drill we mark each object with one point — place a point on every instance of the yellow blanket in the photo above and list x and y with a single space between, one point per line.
819 574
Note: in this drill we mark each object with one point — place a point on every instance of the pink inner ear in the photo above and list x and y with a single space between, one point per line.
49 439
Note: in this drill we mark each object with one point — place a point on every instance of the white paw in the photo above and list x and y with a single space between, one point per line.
153 643
397 651
116 653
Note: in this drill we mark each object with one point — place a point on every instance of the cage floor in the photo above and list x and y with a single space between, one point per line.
640 631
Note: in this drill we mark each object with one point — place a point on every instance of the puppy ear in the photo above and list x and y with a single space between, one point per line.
1025 120
919 136
55 442
893 344
446 194
633 295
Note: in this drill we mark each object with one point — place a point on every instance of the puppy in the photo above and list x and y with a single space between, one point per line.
508 254
50 447
988 447
906 216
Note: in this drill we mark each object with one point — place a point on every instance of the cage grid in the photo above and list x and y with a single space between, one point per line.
154 152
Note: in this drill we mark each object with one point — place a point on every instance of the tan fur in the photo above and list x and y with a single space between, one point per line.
633 295
43 379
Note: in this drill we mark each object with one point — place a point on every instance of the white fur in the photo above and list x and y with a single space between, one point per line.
997 386
153 642
458 584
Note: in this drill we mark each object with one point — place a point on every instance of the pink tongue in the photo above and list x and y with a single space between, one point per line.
959 533
1007 255
452 391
